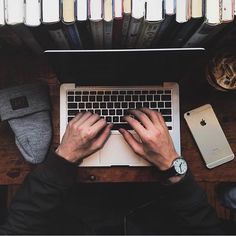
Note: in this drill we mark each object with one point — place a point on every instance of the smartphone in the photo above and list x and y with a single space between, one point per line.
209 136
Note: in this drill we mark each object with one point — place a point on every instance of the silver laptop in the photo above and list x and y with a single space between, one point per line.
109 82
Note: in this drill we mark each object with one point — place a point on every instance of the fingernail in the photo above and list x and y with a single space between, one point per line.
121 131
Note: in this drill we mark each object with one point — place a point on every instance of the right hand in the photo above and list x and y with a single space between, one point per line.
85 134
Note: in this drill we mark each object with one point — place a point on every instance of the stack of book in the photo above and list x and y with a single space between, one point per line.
105 24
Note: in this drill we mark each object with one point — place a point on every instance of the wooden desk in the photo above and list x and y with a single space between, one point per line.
193 93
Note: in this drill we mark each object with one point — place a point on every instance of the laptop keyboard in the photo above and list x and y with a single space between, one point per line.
113 105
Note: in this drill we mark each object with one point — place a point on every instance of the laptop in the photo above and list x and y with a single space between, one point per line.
109 82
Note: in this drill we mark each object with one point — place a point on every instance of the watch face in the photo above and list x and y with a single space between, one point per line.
180 166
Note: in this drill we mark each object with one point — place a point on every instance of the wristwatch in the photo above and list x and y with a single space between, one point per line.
178 167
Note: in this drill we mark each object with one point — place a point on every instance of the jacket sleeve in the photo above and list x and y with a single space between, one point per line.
187 204
41 193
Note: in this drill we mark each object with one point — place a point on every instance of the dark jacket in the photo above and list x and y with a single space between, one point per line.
43 205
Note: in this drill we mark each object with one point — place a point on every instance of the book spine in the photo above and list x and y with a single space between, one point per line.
133 32
97 33
108 28
125 28
147 34
57 33
28 38
73 36
117 32
2 13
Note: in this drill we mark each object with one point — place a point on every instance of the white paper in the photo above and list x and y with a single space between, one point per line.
182 11
82 10
138 8
170 7
118 8
154 10
197 8
213 11
32 12
50 11
14 11
95 10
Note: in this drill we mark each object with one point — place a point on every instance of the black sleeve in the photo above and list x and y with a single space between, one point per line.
41 193
188 206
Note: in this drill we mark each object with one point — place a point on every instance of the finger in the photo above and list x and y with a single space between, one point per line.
162 121
143 118
102 138
140 130
98 126
92 120
77 117
151 114
132 142
84 117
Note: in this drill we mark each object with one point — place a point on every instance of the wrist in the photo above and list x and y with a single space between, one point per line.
66 155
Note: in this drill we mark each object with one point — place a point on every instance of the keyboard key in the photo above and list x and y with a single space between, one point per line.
70 98
123 126
157 97
70 93
121 98
131 105
115 119
78 93
169 128
167 91
126 112
99 98
113 98
153 104
127 98
115 92
86 92
88 105
108 119
142 98
137 92
149 97
124 105
130 92
146 104
152 92
112 112
167 118
100 92
166 97
167 104
78 98
93 92
135 98
92 99
103 105
109 105
165 111
161 104
98 112
82 110
107 92
72 105
139 105
95 105
122 92
122 119
106 98
160 92
81 105
119 112
104 112
92 111
117 105
144 92
85 98
72 112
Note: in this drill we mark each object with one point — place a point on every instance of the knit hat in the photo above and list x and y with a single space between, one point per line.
27 110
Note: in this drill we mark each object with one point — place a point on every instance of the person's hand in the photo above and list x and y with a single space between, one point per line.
85 134
156 145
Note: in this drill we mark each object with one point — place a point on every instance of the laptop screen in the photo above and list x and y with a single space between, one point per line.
123 67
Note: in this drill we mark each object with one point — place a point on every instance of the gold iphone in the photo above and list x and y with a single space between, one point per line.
209 136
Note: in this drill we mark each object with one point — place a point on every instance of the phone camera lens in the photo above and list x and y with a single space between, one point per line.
188 114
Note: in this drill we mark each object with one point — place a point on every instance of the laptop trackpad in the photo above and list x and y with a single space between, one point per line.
117 152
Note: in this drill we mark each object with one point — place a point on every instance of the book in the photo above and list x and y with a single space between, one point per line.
183 10
213 12
28 38
82 10
126 21
117 24
32 10
170 7
68 10
50 11
2 13
153 17
14 11
95 15
227 11
197 8
108 23
135 23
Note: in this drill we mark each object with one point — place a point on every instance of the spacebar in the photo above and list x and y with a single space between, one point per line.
123 126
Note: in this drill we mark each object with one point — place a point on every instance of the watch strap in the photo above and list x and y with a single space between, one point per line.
165 174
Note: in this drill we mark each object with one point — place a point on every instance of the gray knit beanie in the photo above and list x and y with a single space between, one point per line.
27 110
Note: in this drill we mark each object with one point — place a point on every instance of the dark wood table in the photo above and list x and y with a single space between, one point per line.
194 91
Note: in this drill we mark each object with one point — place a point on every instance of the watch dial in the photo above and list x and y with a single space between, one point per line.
180 166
